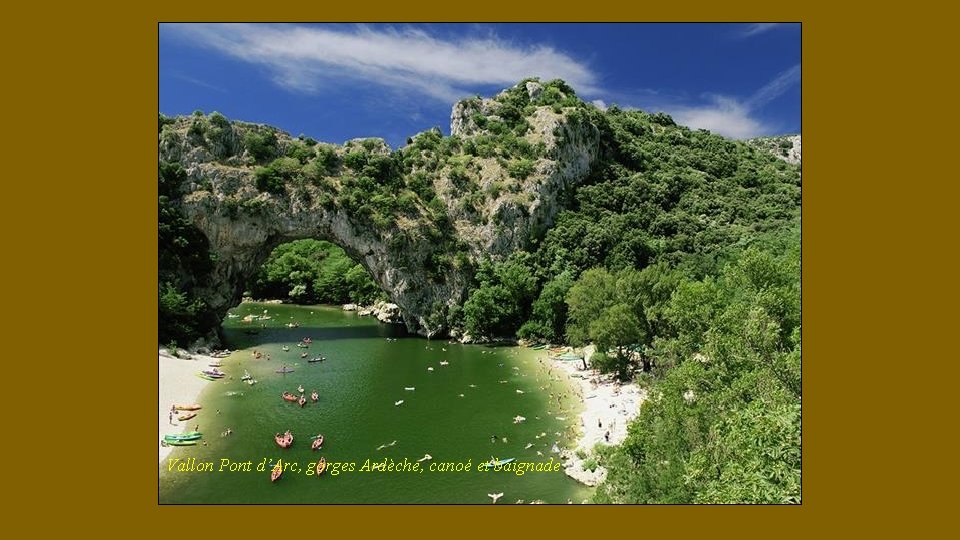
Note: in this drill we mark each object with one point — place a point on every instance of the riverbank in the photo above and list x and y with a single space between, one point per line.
178 384
608 408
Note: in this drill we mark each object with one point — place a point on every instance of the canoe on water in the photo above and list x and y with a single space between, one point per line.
189 436
302 401
285 370
287 396
285 440
315 397
317 443
493 463
187 416
321 466
276 473
317 359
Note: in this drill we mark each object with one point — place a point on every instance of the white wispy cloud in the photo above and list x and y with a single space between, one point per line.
308 59
775 88
734 117
724 115
757 28
197 82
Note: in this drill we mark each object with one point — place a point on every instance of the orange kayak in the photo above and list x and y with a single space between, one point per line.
184 417
321 466
277 472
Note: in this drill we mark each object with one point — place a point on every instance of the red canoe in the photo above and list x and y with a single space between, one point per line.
289 397
284 441
317 443
321 466
277 472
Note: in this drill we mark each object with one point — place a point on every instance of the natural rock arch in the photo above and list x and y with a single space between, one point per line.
243 222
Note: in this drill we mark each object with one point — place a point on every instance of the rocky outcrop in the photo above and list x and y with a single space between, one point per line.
785 147
388 313
384 312
244 222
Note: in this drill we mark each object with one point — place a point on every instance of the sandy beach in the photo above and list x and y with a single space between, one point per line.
178 385
608 407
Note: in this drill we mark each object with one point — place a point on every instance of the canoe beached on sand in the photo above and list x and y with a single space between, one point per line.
179 443
194 407
189 436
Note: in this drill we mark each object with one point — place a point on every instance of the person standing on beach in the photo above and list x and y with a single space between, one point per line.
170 417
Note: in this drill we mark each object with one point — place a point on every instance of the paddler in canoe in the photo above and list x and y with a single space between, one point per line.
315 396
317 442
284 441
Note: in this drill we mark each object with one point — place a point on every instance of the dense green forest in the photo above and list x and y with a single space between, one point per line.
678 256
183 260
314 272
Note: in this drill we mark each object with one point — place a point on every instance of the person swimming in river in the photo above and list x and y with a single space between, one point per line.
493 438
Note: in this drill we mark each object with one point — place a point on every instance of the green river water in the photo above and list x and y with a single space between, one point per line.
368 367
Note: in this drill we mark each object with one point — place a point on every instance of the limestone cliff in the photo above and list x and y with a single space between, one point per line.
785 147
249 188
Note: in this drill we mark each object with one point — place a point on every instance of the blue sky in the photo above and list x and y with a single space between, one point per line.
334 82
